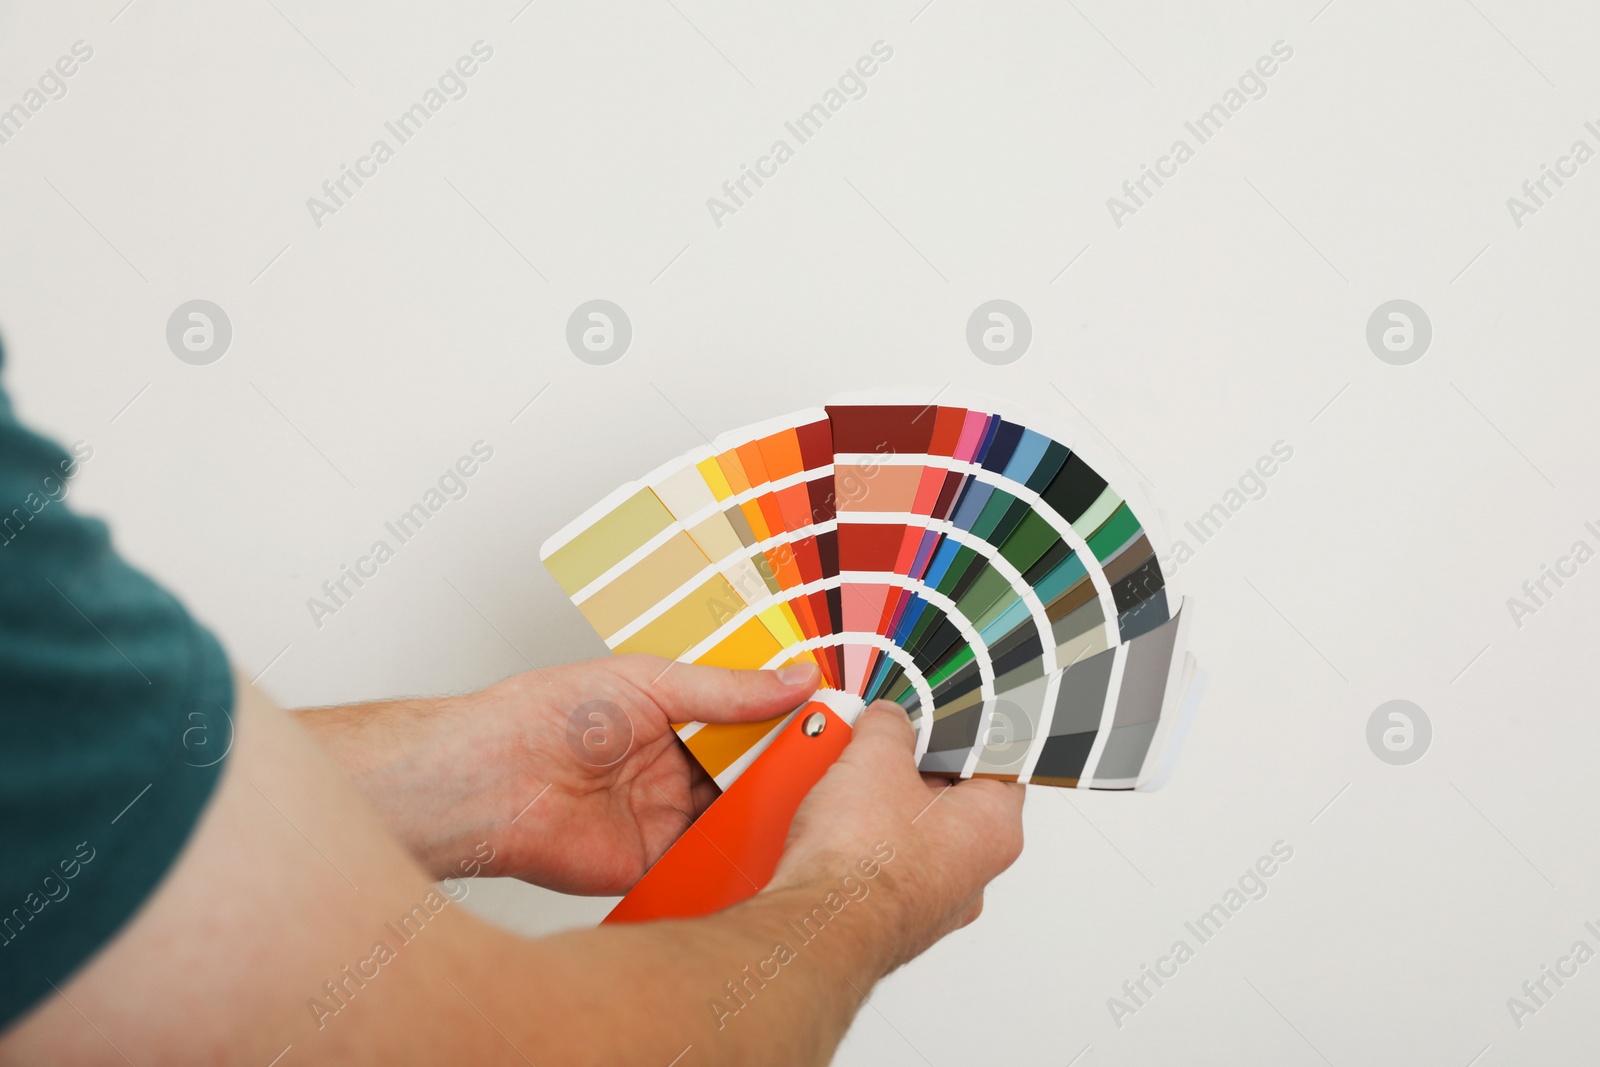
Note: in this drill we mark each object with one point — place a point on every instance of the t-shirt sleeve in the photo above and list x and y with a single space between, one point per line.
115 719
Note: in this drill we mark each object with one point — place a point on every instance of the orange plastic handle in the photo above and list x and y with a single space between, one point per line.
730 852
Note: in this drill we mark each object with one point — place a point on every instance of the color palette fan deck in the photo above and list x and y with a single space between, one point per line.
975 571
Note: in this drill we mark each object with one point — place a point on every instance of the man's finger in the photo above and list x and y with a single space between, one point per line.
882 732
688 692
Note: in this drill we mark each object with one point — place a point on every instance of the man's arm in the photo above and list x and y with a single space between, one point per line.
294 921
447 773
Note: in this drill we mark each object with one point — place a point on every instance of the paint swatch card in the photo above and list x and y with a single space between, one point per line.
973 570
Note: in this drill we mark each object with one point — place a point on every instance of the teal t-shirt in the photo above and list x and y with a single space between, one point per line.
115 718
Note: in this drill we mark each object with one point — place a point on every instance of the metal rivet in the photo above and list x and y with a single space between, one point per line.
814 724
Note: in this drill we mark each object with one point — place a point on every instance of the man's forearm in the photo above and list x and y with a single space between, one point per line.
775 980
404 758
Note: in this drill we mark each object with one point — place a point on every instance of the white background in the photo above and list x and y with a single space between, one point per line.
1227 314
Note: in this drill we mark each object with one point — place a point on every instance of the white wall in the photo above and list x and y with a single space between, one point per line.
1222 317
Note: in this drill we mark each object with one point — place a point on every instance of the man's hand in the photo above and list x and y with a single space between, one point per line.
949 840
571 775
